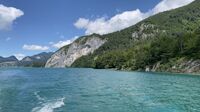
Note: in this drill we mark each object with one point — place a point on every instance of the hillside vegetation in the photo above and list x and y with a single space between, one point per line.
167 36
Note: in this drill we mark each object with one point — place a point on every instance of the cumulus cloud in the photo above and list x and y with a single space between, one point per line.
35 47
125 19
81 23
165 5
63 43
19 56
8 15
103 26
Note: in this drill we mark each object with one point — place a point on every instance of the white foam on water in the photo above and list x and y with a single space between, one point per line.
48 106
38 96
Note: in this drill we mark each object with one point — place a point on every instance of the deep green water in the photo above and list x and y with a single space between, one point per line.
88 90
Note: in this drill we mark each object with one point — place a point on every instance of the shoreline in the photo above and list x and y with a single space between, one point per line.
112 69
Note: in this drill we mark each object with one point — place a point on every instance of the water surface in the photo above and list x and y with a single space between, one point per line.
89 90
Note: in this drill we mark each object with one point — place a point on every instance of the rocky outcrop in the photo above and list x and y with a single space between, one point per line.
68 54
181 65
145 31
189 66
142 31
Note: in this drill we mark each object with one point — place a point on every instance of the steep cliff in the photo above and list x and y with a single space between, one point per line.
81 47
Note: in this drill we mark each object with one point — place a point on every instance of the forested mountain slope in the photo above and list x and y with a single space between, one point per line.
168 41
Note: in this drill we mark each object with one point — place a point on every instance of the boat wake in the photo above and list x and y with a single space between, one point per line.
38 96
48 106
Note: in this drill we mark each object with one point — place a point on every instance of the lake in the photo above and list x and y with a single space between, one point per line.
90 90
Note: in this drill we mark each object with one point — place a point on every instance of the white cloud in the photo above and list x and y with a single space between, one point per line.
19 56
118 22
125 19
35 47
63 43
165 5
81 23
8 15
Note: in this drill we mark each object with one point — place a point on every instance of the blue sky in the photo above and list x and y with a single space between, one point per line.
47 24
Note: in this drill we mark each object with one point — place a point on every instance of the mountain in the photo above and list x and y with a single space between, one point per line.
38 60
66 56
168 41
8 59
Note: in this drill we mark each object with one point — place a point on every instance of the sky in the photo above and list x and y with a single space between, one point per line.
28 27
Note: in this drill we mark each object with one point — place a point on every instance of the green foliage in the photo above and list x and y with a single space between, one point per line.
38 64
84 61
114 59
35 64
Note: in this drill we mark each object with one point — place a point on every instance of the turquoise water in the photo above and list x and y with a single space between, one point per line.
88 90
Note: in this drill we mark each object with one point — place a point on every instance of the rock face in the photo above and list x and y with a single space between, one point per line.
68 54
146 31
187 66
181 65
142 31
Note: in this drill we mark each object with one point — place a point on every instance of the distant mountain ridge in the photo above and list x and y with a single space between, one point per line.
6 59
38 60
